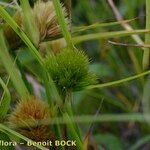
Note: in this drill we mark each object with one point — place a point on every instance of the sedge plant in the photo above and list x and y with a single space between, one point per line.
62 74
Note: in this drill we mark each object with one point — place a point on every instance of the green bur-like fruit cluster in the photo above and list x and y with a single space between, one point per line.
70 70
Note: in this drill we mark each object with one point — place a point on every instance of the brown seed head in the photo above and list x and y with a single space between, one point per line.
46 19
25 119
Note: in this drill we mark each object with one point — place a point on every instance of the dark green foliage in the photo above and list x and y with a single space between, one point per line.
70 70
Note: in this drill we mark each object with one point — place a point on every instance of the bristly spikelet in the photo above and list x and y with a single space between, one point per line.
70 70
46 19
25 117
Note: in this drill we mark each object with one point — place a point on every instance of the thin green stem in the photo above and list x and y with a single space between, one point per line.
146 55
93 36
62 22
86 119
100 25
118 82
69 110
5 100
73 132
58 134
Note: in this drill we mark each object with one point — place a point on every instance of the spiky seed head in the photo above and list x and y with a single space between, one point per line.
25 119
70 70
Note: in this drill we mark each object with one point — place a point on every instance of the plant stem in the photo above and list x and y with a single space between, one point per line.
118 82
58 134
69 110
146 55
62 22
5 101
73 132
104 35
86 119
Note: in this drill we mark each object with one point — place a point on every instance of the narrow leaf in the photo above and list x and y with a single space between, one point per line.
5 100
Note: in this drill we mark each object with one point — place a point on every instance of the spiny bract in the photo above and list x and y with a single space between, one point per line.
25 117
69 70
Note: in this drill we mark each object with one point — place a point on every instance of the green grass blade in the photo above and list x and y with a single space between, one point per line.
5 100
11 68
62 22
146 55
100 25
94 36
21 34
118 82
146 97
73 132
30 26
86 119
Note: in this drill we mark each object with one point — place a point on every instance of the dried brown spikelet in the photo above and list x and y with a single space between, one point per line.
46 19
25 116
58 45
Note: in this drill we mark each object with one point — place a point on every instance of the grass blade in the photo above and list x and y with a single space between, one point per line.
146 55
62 22
93 36
100 25
11 68
5 100
29 23
118 82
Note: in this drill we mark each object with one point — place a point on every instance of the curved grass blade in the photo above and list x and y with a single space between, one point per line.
21 34
86 119
100 25
118 82
94 36
11 68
